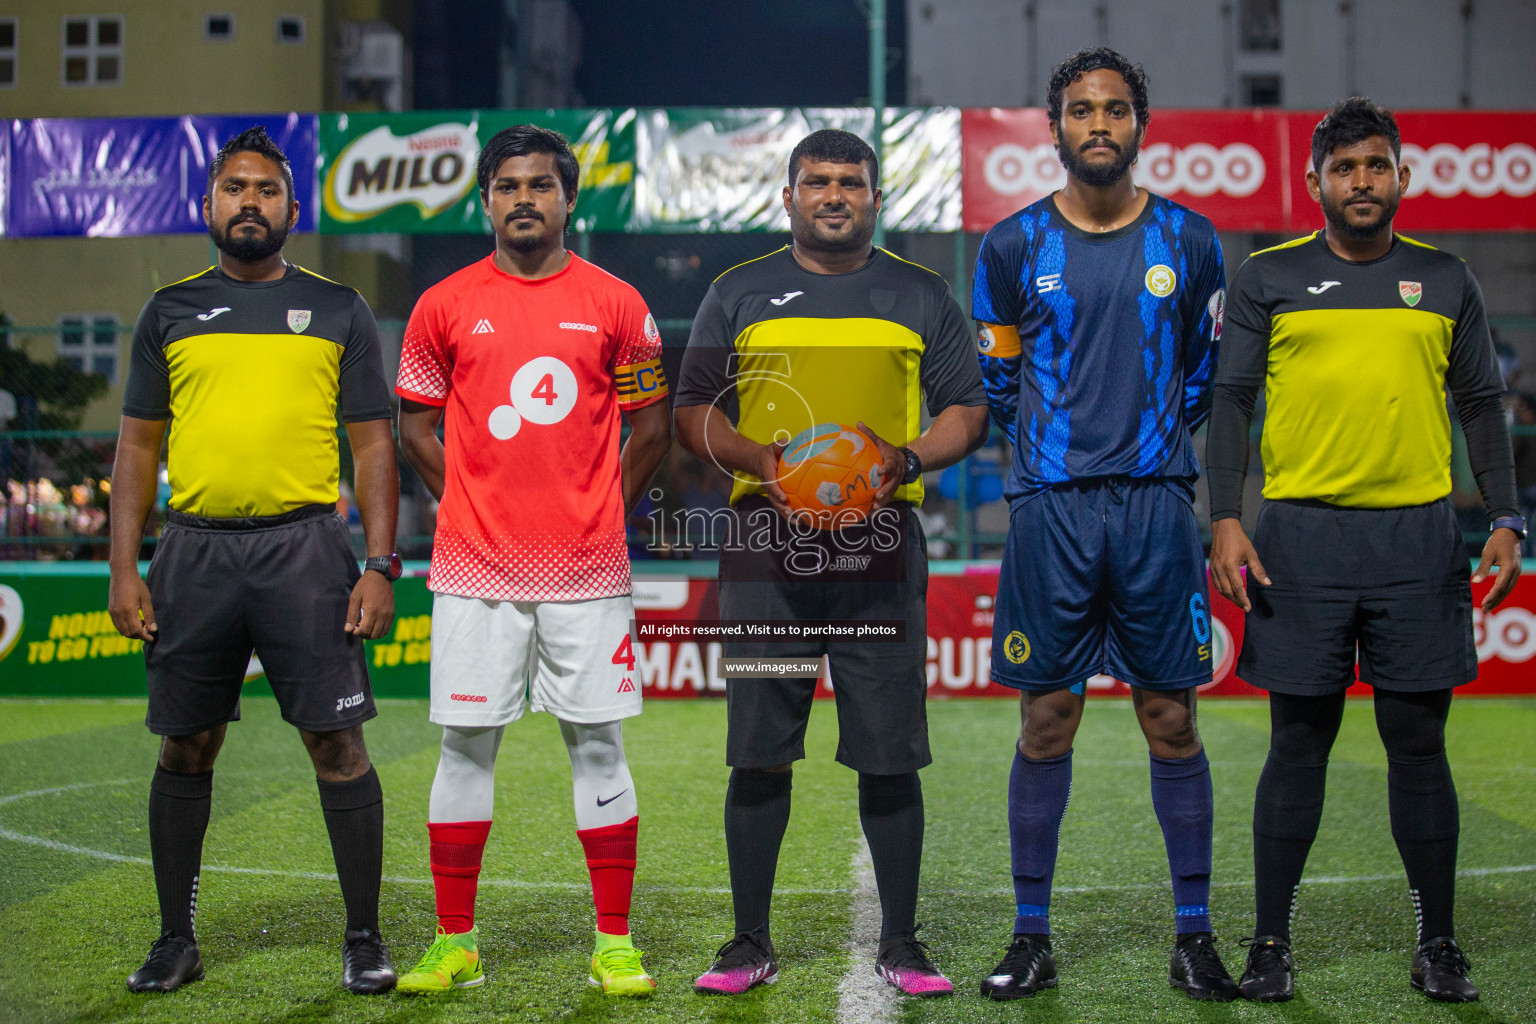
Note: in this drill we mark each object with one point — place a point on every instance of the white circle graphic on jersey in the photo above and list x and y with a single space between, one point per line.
504 422
544 390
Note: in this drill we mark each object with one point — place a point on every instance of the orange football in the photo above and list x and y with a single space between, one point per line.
831 472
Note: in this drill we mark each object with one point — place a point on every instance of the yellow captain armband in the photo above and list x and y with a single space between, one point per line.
997 341
640 383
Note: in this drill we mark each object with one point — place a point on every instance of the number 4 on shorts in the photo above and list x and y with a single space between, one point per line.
625 655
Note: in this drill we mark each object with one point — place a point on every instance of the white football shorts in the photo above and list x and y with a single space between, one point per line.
492 661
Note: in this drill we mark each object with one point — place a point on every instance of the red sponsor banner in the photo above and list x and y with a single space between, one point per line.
1470 171
1246 169
1225 164
959 655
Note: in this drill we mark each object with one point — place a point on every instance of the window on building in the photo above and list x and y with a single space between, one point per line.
93 50
88 342
290 28
219 28
1259 26
1262 91
7 52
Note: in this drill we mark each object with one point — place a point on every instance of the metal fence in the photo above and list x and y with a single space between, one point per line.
57 478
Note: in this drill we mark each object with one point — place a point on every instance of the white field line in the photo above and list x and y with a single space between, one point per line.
862 998
510 883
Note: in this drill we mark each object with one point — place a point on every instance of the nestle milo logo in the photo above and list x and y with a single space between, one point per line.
433 169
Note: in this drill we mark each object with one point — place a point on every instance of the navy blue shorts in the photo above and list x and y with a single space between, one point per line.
1108 576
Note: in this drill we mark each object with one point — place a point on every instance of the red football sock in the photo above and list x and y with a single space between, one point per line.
455 858
611 862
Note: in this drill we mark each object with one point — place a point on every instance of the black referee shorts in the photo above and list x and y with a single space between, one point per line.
1390 586
881 688
278 585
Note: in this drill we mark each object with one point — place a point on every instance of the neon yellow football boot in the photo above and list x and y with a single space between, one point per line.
453 961
616 968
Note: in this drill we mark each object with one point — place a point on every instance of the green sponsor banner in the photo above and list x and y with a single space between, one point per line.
57 640
415 172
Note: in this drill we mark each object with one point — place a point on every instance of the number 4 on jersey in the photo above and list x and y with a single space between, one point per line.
545 389
625 655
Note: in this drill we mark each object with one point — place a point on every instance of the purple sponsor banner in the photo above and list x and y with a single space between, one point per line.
108 177
5 174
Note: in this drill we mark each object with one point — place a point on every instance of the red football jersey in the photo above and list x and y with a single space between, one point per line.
532 375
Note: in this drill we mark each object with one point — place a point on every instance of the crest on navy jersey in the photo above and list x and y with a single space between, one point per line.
1411 291
298 319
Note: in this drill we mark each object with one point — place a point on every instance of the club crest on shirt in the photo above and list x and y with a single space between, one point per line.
652 335
298 319
1161 280
1016 648
1411 291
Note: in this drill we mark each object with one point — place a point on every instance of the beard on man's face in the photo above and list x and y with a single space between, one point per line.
1098 175
1337 215
247 246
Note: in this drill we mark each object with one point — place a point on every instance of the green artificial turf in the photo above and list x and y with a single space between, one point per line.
77 902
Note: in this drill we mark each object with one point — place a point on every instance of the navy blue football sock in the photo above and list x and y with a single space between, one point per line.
1181 795
1038 792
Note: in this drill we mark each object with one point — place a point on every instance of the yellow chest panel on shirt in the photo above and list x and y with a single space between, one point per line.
1356 407
792 373
253 423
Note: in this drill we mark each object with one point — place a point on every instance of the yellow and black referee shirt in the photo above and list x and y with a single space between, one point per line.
780 349
1355 360
252 376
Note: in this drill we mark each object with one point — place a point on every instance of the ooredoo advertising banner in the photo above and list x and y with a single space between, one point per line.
1469 171
57 640
134 176
1229 165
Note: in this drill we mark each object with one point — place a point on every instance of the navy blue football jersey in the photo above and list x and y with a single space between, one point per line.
1116 340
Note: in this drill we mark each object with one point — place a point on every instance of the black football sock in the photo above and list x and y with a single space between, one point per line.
178 820
354 817
1289 802
1421 798
756 814
891 811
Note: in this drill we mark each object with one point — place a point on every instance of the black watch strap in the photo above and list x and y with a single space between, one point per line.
388 566
914 465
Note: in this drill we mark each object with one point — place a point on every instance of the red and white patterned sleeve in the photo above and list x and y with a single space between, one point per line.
637 371
426 362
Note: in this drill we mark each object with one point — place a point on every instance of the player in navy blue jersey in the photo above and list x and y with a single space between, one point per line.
1099 309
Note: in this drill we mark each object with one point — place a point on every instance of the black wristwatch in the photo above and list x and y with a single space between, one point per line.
1516 523
914 465
387 565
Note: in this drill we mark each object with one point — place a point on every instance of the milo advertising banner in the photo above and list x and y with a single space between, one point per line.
415 172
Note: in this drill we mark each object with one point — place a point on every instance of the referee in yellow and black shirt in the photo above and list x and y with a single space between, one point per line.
828 330
1356 334
249 363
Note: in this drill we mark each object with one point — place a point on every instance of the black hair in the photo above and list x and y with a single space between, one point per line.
1350 121
521 140
833 145
1101 57
253 140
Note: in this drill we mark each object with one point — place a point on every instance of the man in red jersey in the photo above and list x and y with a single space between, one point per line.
527 358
